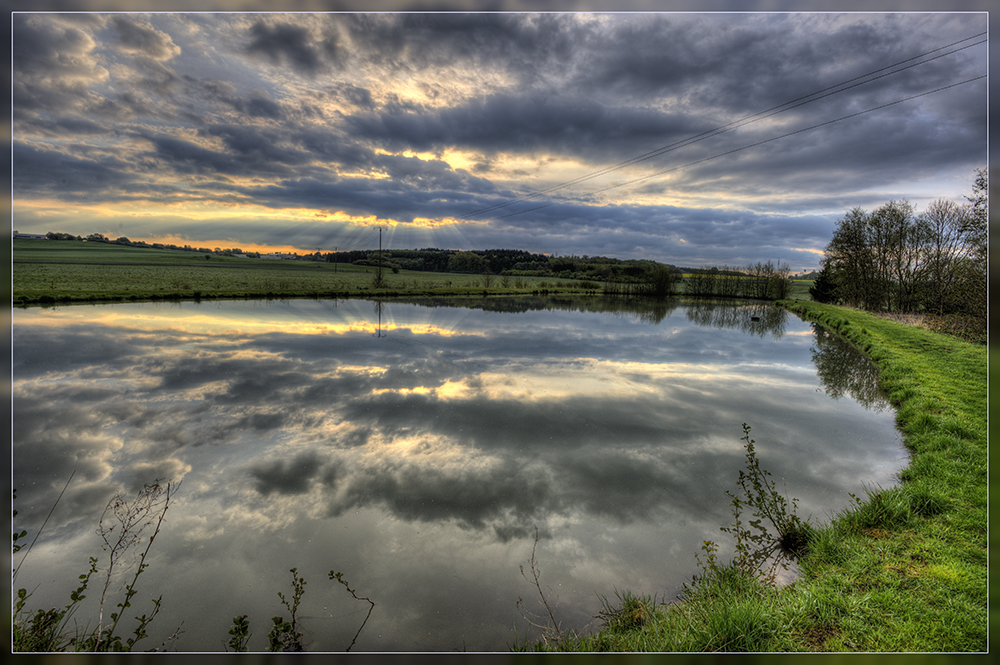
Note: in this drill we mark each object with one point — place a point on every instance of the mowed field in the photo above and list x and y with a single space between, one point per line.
46 271
800 289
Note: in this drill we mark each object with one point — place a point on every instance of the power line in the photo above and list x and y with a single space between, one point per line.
742 122
774 110
754 145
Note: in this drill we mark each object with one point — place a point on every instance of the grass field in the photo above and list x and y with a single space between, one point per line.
69 271
66 271
800 289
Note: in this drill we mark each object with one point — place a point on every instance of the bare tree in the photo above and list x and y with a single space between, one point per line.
975 271
945 248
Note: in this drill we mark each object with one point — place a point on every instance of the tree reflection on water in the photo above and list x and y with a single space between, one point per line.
841 373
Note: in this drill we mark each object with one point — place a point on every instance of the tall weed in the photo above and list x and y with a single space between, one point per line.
773 532
122 528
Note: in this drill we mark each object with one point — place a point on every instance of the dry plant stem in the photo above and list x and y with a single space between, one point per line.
536 574
130 516
169 641
339 577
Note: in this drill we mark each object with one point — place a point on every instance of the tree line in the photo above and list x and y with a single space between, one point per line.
513 262
122 240
494 261
761 280
894 259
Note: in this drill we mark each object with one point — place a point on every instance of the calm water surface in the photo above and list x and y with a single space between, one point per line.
418 449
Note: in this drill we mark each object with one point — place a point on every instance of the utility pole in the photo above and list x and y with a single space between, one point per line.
380 255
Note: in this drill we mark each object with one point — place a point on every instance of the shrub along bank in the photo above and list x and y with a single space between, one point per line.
902 570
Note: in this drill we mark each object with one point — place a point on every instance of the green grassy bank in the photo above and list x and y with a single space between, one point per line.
903 570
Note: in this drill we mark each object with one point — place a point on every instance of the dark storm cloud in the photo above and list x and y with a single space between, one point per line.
724 65
532 485
356 95
157 78
67 126
521 44
293 44
332 147
260 106
127 106
666 54
244 158
569 124
512 496
176 375
48 449
472 497
400 200
138 37
748 63
37 168
256 384
262 146
633 488
55 64
291 476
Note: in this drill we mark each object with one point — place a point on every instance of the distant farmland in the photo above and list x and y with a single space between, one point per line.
48 271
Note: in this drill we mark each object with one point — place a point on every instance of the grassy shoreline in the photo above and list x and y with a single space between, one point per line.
904 570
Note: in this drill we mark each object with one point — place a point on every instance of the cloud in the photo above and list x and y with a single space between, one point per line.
397 117
138 37
290 476
39 168
56 64
285 43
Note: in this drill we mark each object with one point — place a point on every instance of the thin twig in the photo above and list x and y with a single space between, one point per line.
52 510
536 574
339 577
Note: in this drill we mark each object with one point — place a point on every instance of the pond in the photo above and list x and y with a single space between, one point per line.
424 450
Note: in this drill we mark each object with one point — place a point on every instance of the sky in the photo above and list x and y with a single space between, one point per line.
696 139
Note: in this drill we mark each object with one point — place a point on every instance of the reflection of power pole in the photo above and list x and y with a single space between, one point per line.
378 309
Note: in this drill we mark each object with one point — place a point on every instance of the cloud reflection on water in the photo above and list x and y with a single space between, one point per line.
470 419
